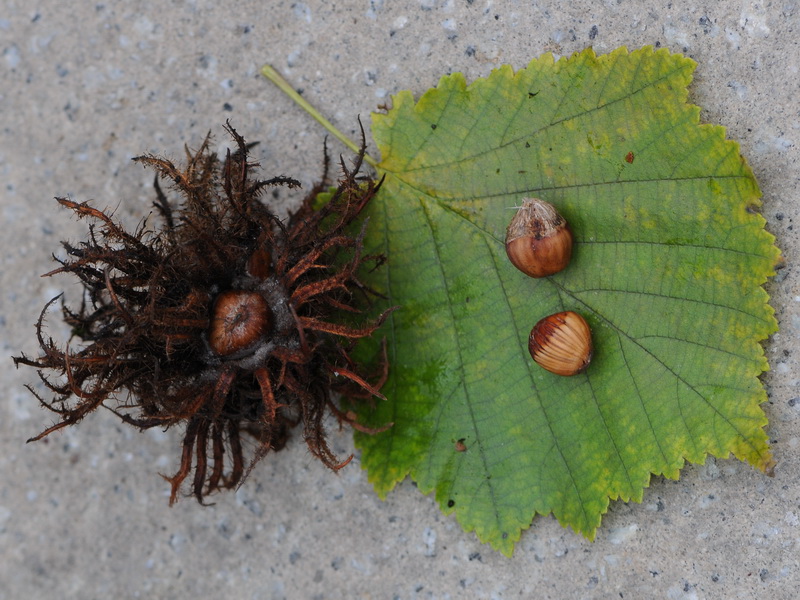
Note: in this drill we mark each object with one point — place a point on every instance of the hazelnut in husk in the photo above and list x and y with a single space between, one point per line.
239 320
219 317
538 239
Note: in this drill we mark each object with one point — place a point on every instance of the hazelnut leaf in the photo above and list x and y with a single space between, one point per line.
668 267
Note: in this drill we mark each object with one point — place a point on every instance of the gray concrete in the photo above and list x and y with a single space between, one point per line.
84 86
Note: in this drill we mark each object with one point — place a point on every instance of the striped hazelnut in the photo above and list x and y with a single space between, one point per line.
562 343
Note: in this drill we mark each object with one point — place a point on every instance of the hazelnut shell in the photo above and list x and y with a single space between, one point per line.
562 343
240 319
538 239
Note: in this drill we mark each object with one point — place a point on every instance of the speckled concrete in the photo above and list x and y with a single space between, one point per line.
84 86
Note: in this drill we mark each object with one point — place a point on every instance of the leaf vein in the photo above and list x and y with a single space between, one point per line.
548 419
553 121
459 358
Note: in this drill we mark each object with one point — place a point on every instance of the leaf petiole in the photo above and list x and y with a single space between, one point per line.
270 73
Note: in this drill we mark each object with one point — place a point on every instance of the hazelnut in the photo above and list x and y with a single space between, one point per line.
538 239
259 264
562 343
239 319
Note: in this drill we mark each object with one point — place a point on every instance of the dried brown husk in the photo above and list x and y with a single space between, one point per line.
142 330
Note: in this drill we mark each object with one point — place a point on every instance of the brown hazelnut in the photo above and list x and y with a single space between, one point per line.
538 239
562 343
259 264
239 319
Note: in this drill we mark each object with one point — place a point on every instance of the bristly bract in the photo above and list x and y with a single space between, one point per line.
223 320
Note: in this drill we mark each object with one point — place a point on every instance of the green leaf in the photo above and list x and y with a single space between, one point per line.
667 268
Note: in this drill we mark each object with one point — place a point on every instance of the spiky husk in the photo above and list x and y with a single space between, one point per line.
143 325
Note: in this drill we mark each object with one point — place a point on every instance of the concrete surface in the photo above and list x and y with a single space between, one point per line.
84 86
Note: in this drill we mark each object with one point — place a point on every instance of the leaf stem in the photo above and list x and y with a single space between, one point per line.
270 73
